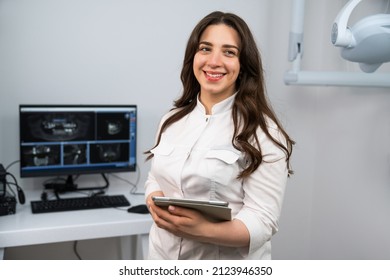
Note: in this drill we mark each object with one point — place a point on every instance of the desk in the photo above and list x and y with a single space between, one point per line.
25 228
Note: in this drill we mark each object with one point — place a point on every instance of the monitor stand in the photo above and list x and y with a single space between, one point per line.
70 186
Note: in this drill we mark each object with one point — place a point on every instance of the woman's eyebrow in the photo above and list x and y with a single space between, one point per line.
205 43
225 45
231 46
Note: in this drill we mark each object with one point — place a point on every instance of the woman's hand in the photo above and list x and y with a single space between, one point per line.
149 200
180 221
188 223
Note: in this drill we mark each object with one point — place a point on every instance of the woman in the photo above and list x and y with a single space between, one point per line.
222 141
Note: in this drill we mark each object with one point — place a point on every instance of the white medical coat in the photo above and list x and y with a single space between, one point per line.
196 159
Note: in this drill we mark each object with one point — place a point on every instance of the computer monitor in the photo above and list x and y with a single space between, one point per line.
68 140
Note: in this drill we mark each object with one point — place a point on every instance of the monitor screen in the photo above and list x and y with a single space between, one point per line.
77 139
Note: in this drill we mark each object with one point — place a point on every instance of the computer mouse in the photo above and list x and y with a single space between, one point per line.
140 209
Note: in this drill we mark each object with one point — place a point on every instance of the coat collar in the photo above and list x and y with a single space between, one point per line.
223 106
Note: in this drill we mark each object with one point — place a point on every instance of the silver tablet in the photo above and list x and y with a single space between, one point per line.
165 201
214 209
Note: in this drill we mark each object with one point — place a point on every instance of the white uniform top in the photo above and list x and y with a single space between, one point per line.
196 159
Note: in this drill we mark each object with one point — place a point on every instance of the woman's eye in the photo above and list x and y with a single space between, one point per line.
204 49
230 53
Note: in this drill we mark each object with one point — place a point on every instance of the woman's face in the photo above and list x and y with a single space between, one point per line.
217 63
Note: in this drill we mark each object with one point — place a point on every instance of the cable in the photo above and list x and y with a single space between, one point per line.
13 177
75 250
20 192
10 189
12 163
15 183
134 185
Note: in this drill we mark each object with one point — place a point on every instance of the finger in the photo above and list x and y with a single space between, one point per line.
149 198
159 214
161 219
183 212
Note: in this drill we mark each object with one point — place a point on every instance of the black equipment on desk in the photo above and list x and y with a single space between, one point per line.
79 203
7 197
7 205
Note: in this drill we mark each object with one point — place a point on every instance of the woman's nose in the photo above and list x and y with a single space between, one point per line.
214 59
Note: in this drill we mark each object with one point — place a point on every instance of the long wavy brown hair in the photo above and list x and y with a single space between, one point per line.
251 106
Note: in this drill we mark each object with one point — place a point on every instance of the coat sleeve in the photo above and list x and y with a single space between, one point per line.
263 193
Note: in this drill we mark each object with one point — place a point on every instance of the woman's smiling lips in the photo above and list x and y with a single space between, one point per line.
213 76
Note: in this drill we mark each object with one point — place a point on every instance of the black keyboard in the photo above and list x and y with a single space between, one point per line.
79 203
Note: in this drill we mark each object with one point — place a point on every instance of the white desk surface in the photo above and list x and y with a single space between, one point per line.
25 228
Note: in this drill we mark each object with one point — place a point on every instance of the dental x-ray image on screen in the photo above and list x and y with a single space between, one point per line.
77 139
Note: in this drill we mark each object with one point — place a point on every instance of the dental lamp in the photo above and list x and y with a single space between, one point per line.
367 42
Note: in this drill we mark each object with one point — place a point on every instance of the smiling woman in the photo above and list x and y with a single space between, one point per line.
222 141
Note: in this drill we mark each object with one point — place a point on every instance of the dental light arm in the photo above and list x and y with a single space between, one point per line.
296 31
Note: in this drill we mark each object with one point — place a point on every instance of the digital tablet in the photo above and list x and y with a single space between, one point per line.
214 209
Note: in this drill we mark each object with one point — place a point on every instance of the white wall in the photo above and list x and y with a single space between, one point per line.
337 204
118 51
